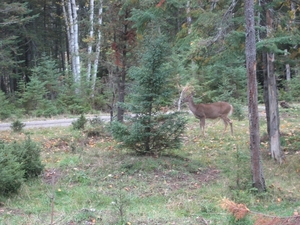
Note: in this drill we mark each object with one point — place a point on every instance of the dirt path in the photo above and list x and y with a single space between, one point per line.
47 123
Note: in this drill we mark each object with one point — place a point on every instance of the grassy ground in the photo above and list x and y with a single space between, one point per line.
87 180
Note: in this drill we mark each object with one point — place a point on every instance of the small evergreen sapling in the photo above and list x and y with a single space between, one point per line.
148 131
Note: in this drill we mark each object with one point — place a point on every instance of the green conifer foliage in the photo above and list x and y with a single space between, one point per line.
148 131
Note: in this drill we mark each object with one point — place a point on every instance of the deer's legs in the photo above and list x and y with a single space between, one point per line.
202 126
226 122
231 128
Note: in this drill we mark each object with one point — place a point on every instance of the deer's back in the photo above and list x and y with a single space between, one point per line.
213 110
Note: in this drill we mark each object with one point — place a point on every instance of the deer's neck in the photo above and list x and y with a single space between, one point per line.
192 105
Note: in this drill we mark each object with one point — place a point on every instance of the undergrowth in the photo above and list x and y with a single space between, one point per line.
87 180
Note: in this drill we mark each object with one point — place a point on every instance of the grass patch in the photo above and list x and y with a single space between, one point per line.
93 182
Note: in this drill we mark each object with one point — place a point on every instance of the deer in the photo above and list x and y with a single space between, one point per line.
210 111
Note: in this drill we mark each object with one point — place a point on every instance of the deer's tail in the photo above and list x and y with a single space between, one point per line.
231 110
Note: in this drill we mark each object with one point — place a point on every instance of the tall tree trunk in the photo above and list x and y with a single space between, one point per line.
122 78
98 46
189 18
71 20
270 93
76 42
256 166
272 110
90 42
287 72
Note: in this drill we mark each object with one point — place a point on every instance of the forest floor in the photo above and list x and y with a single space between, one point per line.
89 180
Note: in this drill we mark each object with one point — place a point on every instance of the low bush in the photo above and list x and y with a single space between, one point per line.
28 154
17 126
79 123
18 162
11 172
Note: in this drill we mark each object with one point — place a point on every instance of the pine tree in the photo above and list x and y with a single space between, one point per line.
148 131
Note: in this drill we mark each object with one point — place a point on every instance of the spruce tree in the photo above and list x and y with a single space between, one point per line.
148 131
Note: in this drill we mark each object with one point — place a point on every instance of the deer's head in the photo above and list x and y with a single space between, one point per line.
187 97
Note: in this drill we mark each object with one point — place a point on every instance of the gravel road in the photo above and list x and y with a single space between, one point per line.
47 123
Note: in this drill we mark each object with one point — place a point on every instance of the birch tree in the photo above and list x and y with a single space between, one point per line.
94 43
98 45
256 166
90 41
71 20
189 18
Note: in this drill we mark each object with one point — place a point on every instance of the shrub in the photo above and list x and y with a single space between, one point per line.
79 123
28 155
164 132
17 126
11 172
18 161
6 108
238 111
97 128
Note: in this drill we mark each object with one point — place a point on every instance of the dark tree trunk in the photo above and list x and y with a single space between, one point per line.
256 166
122 80
270 90
121 95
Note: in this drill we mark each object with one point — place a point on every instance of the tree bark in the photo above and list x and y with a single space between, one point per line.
98 46
71 21
122 78
270 92
256 167
189 18
273 114
90 42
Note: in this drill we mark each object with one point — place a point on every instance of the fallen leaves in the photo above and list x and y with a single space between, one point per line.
239 211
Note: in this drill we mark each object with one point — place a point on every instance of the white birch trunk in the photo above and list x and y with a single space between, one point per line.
189 18
98 47
76 44
90 41
71 40
68 29
179 100
70 16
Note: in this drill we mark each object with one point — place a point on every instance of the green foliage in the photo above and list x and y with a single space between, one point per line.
17 126
79 123
231 220
275 43
97 128
32 95
43 94
294 88
6 108
150 136
148 132
28 155
18 161
220 82
47 73
238 111
68 102
11 172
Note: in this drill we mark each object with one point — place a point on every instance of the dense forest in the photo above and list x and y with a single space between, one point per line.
73 56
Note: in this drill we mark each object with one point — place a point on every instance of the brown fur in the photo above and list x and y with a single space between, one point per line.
210 111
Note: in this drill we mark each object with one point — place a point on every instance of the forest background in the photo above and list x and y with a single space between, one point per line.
73 56
77 57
